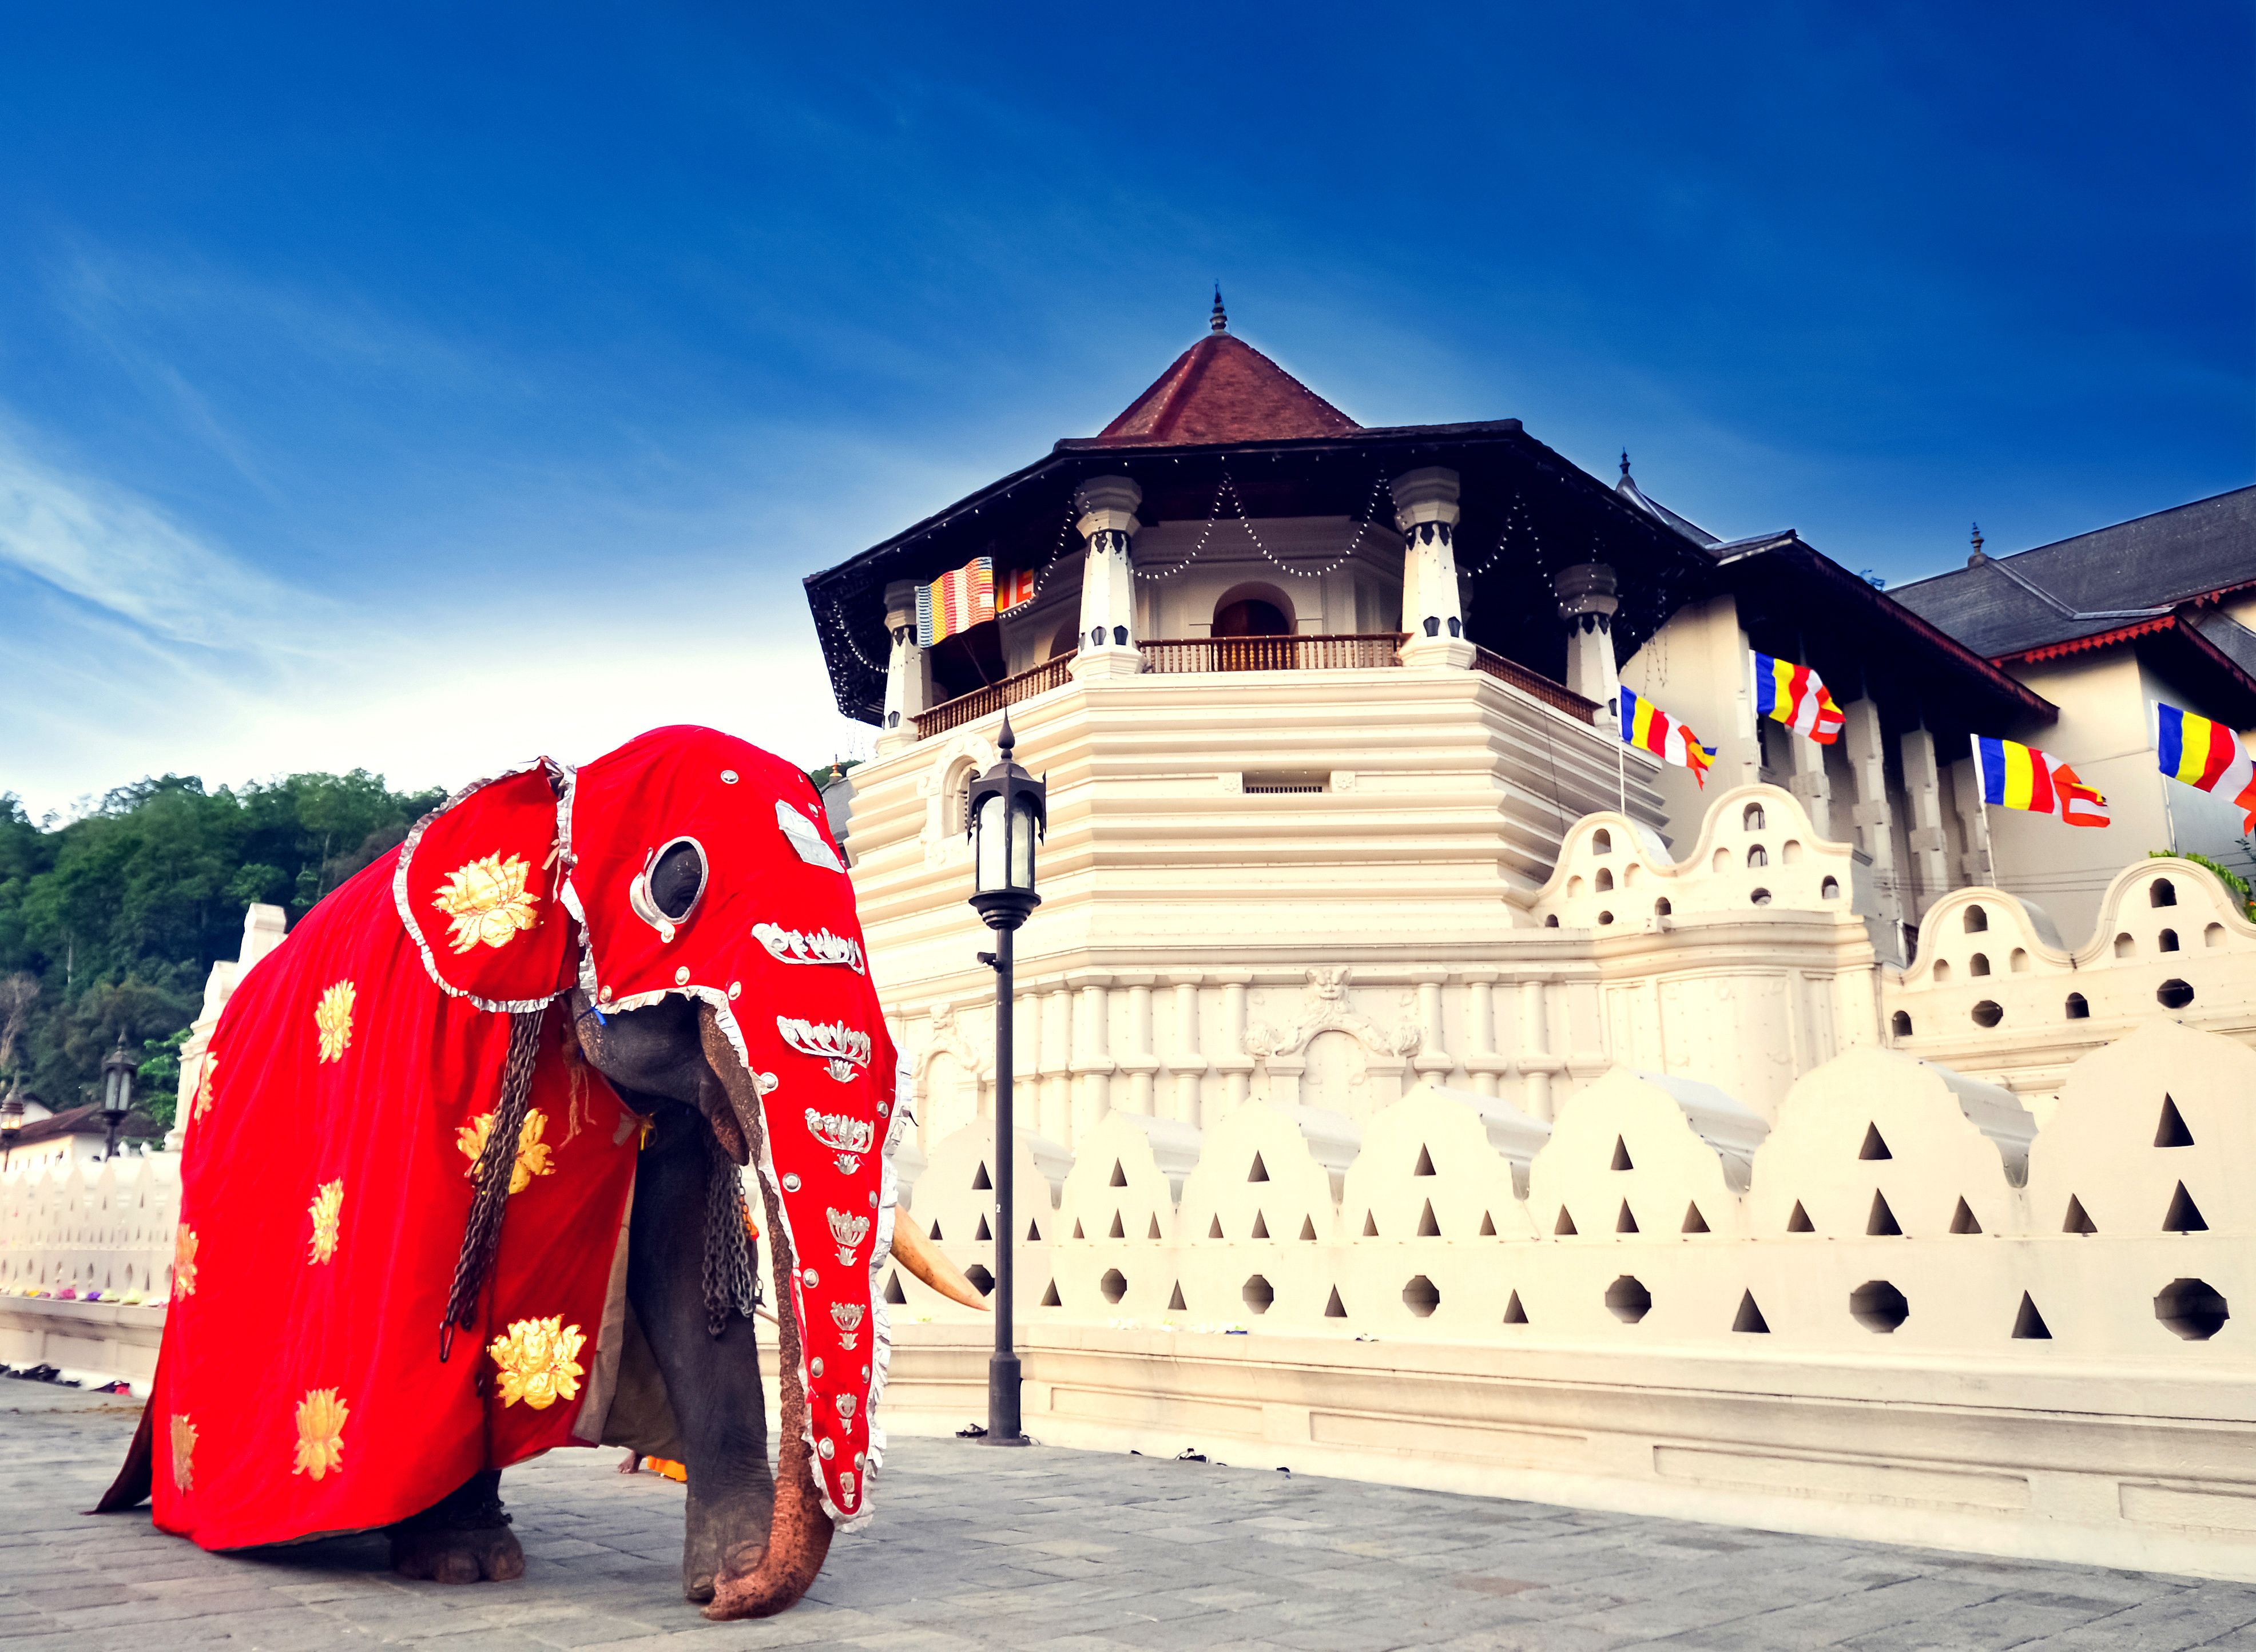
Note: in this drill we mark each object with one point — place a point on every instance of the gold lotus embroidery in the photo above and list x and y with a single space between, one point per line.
320 1434
204 1086
184 1447
531 1152
333 1020
487 901
537 1363
328 1201
184 1262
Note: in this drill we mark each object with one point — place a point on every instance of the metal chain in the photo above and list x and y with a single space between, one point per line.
731 1279
489 1178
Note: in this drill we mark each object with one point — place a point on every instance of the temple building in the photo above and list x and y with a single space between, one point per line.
1320 706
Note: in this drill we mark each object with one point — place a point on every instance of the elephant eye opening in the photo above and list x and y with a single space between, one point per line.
677 880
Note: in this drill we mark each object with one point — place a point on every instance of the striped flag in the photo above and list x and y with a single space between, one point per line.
2015 776
1796 696
1645 726
2206 756
956 601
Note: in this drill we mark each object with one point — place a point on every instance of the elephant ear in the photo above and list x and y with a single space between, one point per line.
477 888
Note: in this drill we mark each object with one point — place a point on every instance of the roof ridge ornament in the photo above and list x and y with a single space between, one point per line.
1218 322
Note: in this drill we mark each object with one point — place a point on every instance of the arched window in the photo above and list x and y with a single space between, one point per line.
1899 1024
1661 908
1253 610
1758 856
1602 842
1606 879
1752 820
2125 946
2077 1009
1830 890
1977 921
2168 941
955 799
2162 892
1978 964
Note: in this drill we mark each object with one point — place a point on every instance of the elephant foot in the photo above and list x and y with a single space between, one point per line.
439 1555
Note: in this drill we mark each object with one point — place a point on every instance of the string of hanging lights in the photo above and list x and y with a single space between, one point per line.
1228 486
1516 511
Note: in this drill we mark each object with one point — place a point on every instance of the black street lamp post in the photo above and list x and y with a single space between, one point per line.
11 1120
117 1090
1008 813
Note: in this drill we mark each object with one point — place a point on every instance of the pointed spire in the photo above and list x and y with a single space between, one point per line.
1218 322
1004 739
1624 464
1977 559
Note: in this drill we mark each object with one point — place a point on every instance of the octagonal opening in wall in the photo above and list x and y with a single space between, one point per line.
1259 1295
1879 1306
1420 1297
1627 1300
1114 1285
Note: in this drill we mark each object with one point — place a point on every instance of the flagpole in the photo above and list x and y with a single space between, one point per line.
2169 811
1621 759
1982 807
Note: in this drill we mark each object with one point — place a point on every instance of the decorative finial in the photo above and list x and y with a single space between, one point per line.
1978 557
1624 464
1218 322
1004 739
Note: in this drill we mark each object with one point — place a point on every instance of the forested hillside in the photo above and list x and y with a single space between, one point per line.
110 922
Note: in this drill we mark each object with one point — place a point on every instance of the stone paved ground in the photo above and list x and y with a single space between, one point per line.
1070 1550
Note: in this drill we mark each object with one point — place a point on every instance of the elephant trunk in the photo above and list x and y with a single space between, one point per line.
799 1533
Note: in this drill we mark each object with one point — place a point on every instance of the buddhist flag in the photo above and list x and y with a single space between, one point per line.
956 601
2021 777
1645 726
2206 756
1796 696
1016 591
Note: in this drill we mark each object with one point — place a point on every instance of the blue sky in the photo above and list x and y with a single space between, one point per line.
423 387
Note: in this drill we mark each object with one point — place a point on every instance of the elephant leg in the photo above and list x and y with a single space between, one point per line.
462 1538
712 1382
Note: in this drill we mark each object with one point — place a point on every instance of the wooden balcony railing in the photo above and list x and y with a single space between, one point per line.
968 708
1540 687
1271 654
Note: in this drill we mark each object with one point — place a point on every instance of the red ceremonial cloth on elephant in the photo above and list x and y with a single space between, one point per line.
348 1092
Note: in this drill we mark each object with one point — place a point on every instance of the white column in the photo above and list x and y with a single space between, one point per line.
1139 1063
1092 1064
1108 583
1808 783
1057 1066
1977 865
1483 1060
1426 511
1537 1063
1875 825
908 673
1186 1064
1930 858
1235 1065
1432 1059
1587 605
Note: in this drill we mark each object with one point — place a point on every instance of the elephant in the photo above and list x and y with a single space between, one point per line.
461 1183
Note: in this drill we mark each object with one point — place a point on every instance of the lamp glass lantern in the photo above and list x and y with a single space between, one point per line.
117 1089
1009 813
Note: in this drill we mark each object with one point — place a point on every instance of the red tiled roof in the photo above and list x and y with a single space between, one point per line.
1224 390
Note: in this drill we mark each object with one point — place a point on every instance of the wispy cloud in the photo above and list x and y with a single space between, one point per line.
106 546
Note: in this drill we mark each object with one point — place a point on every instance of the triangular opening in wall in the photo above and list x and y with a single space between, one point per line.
2077 1221
894 1293
1428 1227
1119 1227
1963 1220
1625 1223
1513 1313
984 1233
1425 1162
1077 1233
1033 1233
1260 1227
1050 1295
1335 1308
1120 1175
1749 1317
935 1228
1488 1225
2029 1324
1214 1228
1175 1299
1566 1221
1694 1222
1875 1147
2184 1215
1882 1222
1371 1224
1800 1222
1260 1172
980 1183
2172 1132
1308 1228
1154 1233
1621 1155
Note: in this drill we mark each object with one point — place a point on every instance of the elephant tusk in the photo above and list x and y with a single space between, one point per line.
911 1251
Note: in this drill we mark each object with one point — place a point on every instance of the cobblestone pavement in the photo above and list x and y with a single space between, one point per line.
1071 1550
